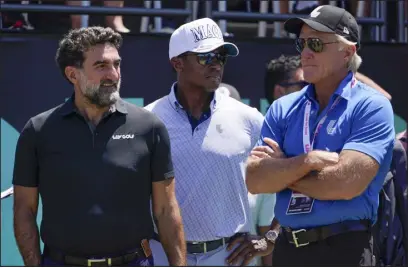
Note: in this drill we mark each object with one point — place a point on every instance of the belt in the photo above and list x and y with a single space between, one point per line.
303 237
80 261
206 246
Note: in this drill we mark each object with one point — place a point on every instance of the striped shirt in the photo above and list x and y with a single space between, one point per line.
209 164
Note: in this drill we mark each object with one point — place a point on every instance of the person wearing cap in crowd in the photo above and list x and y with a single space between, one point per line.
325 150
211 136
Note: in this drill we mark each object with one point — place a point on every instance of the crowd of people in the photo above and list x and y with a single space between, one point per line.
62 22
197 177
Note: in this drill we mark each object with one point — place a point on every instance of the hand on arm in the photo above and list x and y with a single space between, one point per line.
345 180
169 223
25 224
268 171
274 173
369 144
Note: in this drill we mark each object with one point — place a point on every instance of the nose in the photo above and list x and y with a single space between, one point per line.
216 65
306 53
113 73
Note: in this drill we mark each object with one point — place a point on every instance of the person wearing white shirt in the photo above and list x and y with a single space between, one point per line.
211 136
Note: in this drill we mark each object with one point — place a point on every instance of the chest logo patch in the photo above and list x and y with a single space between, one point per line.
123 136
330 127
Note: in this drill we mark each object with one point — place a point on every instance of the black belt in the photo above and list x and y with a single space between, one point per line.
206 246
303 237
80 261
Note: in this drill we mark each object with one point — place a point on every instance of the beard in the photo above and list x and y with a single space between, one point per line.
98 94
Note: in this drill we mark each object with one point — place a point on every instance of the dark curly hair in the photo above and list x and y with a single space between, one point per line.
279 70
78 41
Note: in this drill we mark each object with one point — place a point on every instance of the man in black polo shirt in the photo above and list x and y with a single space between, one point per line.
96 161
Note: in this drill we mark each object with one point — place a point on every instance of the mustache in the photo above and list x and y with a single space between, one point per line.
109 82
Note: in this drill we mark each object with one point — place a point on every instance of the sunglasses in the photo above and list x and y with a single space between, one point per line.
210 58
314 44
290 84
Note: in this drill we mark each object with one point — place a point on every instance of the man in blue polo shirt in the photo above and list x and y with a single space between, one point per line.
329 149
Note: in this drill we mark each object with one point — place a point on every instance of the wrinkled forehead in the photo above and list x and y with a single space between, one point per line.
102 52
307 32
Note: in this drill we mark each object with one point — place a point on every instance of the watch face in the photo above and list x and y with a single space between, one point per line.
271 235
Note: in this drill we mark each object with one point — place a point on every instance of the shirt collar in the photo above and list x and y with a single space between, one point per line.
69 107
343 90
176 104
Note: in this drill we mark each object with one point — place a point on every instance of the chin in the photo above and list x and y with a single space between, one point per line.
311 78
212 87
211 90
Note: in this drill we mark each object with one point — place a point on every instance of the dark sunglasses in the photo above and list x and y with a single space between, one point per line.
210 58
290 84
314 44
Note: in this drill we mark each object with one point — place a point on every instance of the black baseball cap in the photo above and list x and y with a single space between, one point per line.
328 19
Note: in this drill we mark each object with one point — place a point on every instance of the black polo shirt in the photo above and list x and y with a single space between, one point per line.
95 184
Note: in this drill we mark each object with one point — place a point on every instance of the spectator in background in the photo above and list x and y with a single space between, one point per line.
230 91
403 138
284 75
391 228
304 7
114 22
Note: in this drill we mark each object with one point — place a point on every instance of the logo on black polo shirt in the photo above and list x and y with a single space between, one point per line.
123 136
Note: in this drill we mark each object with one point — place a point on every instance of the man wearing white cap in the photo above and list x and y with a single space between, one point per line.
211 136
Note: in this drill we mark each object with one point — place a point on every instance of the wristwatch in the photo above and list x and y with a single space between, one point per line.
271 236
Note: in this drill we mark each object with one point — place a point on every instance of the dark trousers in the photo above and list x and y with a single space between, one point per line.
347 249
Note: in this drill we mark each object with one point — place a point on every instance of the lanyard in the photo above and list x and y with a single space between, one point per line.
307 145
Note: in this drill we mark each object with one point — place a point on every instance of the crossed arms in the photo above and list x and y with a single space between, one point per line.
320 174
346 179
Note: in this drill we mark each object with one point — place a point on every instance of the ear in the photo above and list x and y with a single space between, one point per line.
349 52
177 64
71 74
278 92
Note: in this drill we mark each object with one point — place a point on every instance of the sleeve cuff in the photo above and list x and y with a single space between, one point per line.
366 149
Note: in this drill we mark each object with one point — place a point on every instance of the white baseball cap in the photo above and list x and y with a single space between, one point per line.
199 36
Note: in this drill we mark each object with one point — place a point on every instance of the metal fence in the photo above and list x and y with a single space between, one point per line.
378 18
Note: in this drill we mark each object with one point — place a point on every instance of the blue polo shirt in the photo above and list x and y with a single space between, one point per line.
362 121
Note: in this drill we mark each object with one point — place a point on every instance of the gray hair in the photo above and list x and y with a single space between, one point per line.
356 60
